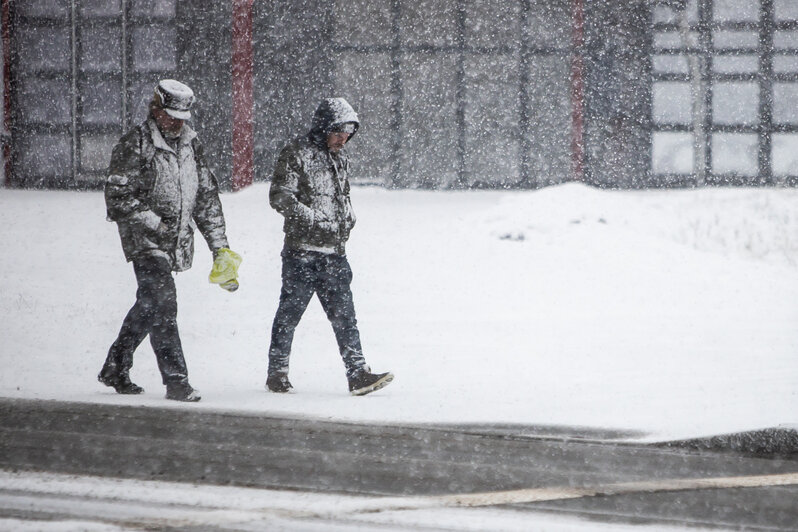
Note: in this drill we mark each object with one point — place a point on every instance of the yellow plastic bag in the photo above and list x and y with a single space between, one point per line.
225 269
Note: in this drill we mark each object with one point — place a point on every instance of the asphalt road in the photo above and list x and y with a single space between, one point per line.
598 476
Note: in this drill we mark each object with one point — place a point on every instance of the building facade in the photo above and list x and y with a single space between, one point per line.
451 93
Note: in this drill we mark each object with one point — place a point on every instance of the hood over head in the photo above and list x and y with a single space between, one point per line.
331 115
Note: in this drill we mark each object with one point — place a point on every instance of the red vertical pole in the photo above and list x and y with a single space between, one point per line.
577 91
6 36
243 142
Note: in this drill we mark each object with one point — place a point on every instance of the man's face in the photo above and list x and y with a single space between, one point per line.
336 140
167 123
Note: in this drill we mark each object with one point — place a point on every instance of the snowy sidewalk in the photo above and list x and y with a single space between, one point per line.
672 313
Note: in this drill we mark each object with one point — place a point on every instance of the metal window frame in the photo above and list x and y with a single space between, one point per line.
764 76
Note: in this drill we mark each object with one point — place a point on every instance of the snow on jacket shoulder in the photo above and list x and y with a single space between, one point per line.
158 195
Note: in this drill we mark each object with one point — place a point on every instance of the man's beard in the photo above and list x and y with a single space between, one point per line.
172 135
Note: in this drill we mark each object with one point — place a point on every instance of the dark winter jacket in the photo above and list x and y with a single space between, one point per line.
310 187
158 195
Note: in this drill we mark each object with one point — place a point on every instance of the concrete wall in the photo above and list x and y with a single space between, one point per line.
204 62
293 69
618 94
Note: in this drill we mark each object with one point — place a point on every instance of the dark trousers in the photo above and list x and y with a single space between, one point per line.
154 313
329 277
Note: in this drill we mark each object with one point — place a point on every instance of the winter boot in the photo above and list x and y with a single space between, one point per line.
363 382
278 383
120 383
182 391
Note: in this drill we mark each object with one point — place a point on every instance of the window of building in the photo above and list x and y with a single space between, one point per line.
725 76
82 74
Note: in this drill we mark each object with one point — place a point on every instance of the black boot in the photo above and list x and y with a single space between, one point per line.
278 383
182 391
120 383
363 382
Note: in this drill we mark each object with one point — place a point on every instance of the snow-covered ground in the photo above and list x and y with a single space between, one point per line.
670 312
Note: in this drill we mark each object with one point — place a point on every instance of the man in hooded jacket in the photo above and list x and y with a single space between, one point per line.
158 191
310 188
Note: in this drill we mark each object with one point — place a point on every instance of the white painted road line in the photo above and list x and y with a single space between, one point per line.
554 494
496 498
189 503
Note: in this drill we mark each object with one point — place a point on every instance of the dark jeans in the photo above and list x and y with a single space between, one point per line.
328 276
154 313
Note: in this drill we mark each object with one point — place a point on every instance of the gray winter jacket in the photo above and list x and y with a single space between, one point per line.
310 187
158 196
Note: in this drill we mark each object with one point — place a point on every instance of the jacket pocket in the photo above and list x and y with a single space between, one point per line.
137 239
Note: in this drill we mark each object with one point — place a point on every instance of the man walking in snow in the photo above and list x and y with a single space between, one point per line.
159 189
310 188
